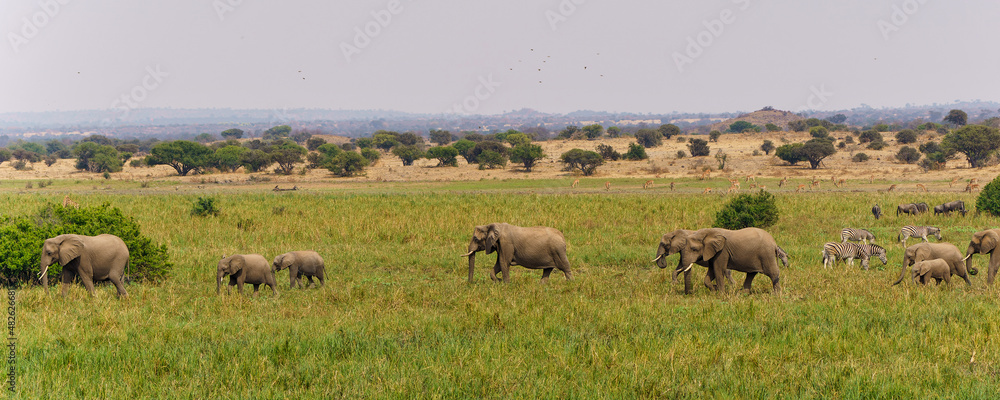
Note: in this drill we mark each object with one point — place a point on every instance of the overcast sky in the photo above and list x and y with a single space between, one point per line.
494 56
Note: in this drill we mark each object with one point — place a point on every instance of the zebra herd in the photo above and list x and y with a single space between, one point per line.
847 250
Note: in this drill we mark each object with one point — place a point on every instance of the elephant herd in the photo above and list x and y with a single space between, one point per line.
750 250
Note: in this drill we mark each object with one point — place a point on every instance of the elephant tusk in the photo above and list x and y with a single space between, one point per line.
468 254
688 268
658 258
43 272
967 257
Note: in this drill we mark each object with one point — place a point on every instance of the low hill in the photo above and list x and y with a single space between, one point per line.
760 118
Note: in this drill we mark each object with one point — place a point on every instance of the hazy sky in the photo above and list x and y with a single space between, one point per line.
494 56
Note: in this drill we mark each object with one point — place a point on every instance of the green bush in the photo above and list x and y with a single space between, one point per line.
204 206
608 152
908 155
989 199
745 211
860 157
698 148
636 152
21 241
879 145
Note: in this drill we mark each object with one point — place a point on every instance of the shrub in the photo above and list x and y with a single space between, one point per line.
819 132
745 211
681 154
682 139
586 161
772 127
713 136
486 145
870 136
767 147
527 154
22 237
20 165
860 157
741 126
649 138
349 163
906 136
608 152
408 153
370 155
879 145
698 148
989 199
491 159
790 153
849 140
908 155
669 130
636 152
204 206
447 156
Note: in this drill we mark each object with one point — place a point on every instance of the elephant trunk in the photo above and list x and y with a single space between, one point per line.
218 283
44 276
968 261
906 263
472 264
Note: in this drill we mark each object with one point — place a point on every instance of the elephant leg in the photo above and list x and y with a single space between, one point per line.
709 280
562 263
505 269
687 282
66 277
994 266
496 270
311 282
748 281
256 286
88 282
545 274
117 281
720 271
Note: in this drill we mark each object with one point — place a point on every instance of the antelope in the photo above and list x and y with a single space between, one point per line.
704 174
815 183
953 181
973 181
647 185
921 185
707 190
800 188
872 179
734 188
753 185
891 188
671 186
750 178
607 185
576 182
840 183
762 187
970 187
783 181
69 203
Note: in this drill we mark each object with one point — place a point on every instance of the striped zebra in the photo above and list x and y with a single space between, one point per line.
856 235
917 231
832 251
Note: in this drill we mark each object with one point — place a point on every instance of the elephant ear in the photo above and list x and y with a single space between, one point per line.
712 245
236 264
492 237
989 242
70 249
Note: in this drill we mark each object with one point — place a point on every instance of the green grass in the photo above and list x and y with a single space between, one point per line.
398 320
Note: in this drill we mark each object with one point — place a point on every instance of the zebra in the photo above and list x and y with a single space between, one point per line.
873 249
856 235
918 231
832 251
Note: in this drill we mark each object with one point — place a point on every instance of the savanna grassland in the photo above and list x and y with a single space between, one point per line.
397 318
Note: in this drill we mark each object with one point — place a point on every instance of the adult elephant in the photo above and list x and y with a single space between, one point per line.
537 247
909 208
673 243
92 258
929 251
299 264
985 242
245 268
749 250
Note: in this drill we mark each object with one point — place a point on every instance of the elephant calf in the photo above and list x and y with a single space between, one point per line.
246 268
938 269
299 264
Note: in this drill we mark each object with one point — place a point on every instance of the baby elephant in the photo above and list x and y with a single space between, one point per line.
246 268
299 264
938 269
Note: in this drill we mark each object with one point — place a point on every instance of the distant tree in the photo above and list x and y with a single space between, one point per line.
94 157
906 136
286 155
487 145
27 156
614 132
232 133
61 150
124 148
881 127
407 153
568 132
713 136
441 137
837 119
463 146
256 160
649 138
870 135
956 117
798 125
908 155
447 156
819 132
183 155
204 138
314 142
608 153
636 152
491 159
740 126
473 136
585 161
364 143
348 163
977 142
229 158
51 159
410 139
593 131
772 127
877 145
385 141
323 155
526 154
767 147
301 137
698 148
790 153
517 139
669 130
859 157
370 155
815 150
277 132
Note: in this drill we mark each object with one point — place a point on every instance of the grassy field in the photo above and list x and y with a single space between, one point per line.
397 318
